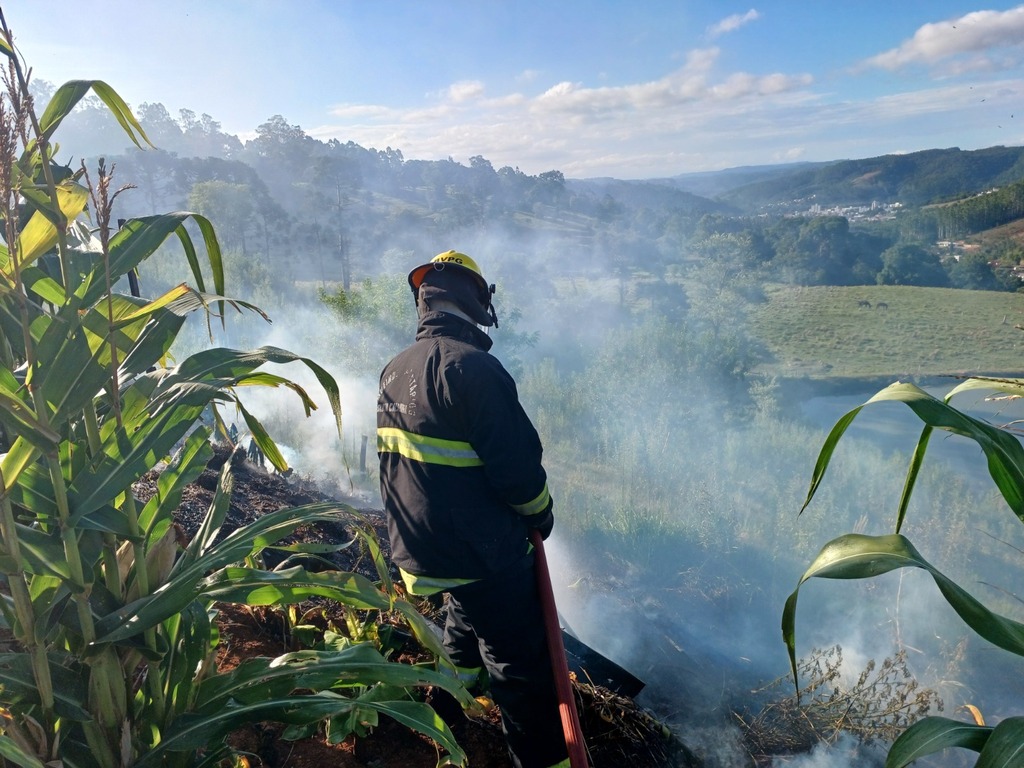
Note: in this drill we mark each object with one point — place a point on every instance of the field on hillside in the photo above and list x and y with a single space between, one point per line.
1012 231
869 331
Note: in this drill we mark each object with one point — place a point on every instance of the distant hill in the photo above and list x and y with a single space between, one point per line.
657 193
913 179
916 178
714 184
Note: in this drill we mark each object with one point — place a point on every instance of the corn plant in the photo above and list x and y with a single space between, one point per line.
112 619
856 556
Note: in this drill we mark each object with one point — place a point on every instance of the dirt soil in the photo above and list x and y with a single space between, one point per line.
616 731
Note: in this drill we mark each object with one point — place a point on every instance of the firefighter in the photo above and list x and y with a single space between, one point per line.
462 483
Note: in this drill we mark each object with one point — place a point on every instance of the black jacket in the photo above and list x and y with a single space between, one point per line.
460 461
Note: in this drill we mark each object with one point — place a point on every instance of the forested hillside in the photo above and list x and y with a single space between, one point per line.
342 208
914 179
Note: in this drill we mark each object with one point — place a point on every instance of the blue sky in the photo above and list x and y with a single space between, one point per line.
600 88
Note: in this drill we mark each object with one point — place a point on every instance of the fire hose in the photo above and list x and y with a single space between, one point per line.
563 687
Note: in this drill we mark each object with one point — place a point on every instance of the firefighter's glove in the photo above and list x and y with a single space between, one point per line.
543 522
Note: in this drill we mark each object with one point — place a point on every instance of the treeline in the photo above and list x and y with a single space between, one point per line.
827 250
976 214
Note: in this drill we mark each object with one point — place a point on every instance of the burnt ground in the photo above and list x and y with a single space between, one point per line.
617 732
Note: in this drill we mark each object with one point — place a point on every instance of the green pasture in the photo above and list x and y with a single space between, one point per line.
825 332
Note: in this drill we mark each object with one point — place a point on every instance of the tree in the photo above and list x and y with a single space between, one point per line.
972 270
160 126
283 151
231 204
907 264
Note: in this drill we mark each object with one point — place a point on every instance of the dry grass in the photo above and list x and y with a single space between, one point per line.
877 706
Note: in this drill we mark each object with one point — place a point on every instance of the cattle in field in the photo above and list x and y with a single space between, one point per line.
863 303
881 305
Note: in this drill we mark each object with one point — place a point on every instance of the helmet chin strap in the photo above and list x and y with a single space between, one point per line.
490 305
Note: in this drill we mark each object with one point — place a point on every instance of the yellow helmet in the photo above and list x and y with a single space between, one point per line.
460 261
461 264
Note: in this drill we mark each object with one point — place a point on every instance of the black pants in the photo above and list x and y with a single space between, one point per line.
497 623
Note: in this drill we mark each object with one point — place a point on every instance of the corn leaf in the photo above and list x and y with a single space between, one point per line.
152 344
913 472
368 536
1003 451
70 687
1005 747
43 285
81 358
19 458
182 589
19 416
188 464
856 556
40 234
975 383
127 452
68 95
34 492
139 238
827 449
422 630
75 374
212 522
212 250
251 586
220 363
121 112
62 104
263 439
934 734
192 732
42 553
191 639
357 664
12 753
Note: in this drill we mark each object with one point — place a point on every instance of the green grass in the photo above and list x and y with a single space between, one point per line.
822 332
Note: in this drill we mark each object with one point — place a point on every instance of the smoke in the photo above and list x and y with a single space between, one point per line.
675 558
717 745
310 444
846 752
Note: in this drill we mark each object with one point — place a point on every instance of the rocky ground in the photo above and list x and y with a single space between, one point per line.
617 732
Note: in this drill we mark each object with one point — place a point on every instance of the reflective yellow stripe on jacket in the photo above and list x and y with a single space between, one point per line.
537 505
429 450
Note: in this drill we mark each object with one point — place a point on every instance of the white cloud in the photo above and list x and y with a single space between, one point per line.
361 111
981 32
686 85
732 23
790 155
466 90
509 100
696 117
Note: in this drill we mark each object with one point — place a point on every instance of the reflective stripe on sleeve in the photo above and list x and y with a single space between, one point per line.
429 450
537 505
